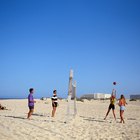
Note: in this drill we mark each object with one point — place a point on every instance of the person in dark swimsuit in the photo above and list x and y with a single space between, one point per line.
111 106
54 102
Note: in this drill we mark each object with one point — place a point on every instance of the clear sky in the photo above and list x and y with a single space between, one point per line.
41 40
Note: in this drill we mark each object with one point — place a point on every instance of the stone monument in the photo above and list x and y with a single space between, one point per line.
71 109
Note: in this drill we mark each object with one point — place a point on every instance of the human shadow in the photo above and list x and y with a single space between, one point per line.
35 125
48 120
15 117
131 119
95 120
40 115
91 119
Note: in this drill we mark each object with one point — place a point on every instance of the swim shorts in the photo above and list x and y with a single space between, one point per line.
111 106
31 107
122 107
55 104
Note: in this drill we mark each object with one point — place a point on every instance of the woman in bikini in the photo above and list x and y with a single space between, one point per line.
54 102
122 103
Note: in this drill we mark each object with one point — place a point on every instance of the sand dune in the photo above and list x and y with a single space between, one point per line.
87 125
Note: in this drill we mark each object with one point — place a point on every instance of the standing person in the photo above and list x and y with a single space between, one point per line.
111 106
31 103
122 103
54 102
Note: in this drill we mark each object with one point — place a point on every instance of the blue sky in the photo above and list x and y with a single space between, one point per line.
40 41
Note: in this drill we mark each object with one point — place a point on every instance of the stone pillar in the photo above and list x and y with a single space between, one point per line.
74 98
70 91
71 109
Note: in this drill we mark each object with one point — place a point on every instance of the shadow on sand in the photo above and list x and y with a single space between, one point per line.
35 125
132 119
91 119
16 117
41 115
94 120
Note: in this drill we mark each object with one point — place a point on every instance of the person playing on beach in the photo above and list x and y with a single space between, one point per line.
122 103
54 102
111 106
31 103
2 107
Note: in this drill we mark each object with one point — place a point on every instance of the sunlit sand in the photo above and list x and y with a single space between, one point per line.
89 123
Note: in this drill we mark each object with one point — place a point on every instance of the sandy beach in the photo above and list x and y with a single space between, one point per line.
89 124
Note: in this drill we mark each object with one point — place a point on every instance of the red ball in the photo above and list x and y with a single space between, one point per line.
114 83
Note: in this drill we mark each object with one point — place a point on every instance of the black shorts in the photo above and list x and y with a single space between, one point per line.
111 106
55 104
31 107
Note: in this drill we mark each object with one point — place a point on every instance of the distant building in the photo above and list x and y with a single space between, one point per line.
135 97
87 96
101 96
96 96
107 96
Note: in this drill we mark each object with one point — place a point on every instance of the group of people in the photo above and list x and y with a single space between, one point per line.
31 103
122 103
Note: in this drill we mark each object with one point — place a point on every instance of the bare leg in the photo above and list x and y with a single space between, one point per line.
53 111
30 113
107 114
121 116
114 114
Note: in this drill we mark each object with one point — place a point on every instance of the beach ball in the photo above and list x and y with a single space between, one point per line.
114 83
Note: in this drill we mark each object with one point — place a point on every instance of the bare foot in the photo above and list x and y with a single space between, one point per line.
29 118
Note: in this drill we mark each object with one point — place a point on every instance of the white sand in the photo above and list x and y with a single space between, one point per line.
87 125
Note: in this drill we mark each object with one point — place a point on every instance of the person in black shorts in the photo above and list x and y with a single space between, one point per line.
111 106
54 102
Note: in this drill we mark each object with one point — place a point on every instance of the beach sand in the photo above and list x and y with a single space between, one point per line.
89 124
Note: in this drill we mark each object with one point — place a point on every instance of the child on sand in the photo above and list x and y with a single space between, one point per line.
122 103
111 106
31 103
54 102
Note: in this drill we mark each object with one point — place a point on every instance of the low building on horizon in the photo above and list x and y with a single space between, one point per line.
96 96
101 96
135 97
87 96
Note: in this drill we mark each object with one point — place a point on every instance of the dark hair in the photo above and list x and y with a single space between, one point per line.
122 96
31 89
54 91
